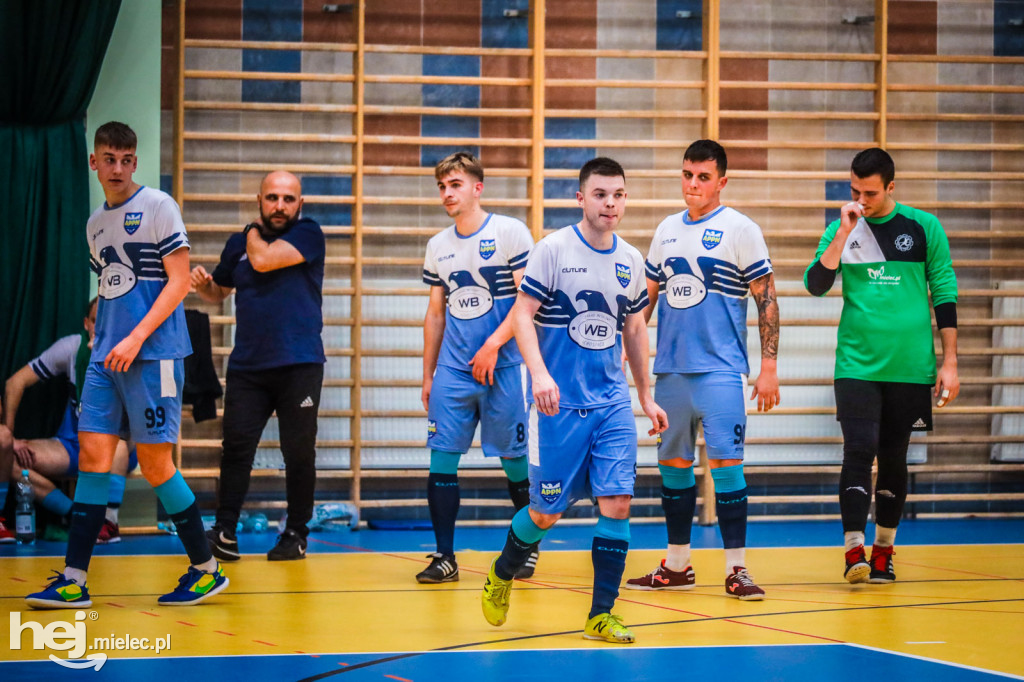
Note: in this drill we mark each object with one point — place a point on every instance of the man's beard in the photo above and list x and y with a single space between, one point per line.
267 228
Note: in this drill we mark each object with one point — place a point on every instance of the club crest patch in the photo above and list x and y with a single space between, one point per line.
431 428
550 491
132 221
623 274
487 248
904 242
711 238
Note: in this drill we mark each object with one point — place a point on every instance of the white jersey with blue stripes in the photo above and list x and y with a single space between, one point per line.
476 274
703 269
585 296
127 245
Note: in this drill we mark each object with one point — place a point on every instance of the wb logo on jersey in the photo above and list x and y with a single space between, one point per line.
711 238
622 274
132 221
431 428
487 248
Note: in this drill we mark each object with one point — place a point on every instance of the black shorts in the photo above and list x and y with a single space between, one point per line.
899 405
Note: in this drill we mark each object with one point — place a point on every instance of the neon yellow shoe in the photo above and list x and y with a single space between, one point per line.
494 599
605 626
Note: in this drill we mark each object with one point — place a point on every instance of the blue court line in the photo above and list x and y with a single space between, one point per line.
648 535
778 663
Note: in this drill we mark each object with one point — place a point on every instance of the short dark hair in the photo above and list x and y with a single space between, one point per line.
874 161
708 150
115 135
602 165
459 161
88 309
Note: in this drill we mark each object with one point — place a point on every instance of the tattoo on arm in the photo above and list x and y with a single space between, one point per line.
763 291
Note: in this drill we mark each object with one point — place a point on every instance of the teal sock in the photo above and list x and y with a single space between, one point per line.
173 493
57 502
115 495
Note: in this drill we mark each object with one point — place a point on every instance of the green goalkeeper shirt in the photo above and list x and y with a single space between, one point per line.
888 266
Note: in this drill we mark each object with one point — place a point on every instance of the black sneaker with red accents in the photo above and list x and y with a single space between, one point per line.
742 586
663 578
857 567
881 565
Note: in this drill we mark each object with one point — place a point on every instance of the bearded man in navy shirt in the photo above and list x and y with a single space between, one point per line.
275 267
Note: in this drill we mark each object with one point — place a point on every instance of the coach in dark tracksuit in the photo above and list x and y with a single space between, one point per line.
276 266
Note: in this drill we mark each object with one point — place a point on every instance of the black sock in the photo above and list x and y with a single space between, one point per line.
519 493
86 522
189 523
679 505
443 498
609 557
513 556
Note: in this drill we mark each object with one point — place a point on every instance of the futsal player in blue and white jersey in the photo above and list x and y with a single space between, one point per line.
705 262
134 379
581 301
472 370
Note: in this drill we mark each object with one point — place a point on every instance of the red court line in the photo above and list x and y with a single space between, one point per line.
116 606
191 625
260 641
148 613
19 580
400 679
221 632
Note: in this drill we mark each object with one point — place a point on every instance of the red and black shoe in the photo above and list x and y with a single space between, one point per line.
881 565
857 567
6 534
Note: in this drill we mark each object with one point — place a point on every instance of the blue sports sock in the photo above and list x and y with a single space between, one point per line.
115 494
608 552
57 502
523 536
731 505
679 502
189 524
87 514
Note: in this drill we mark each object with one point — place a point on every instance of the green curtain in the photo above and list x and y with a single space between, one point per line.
50 57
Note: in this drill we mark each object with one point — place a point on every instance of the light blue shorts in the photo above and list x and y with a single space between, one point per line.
458 402
142 404
579 453
715 399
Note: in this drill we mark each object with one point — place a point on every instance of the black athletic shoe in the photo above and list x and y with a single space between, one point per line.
223 544
525 572
290 546
442 569
881 565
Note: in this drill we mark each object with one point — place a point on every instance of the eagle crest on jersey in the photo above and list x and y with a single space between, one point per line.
487 248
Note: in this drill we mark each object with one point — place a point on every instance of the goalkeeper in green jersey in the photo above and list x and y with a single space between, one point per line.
891 256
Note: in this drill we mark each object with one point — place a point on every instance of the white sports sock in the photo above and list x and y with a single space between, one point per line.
112 514
737 556
76 574
884 537
208 566
677 558
852 539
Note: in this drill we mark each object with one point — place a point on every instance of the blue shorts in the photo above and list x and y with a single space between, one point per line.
142 404
579 453
715 399
67 435
458 402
